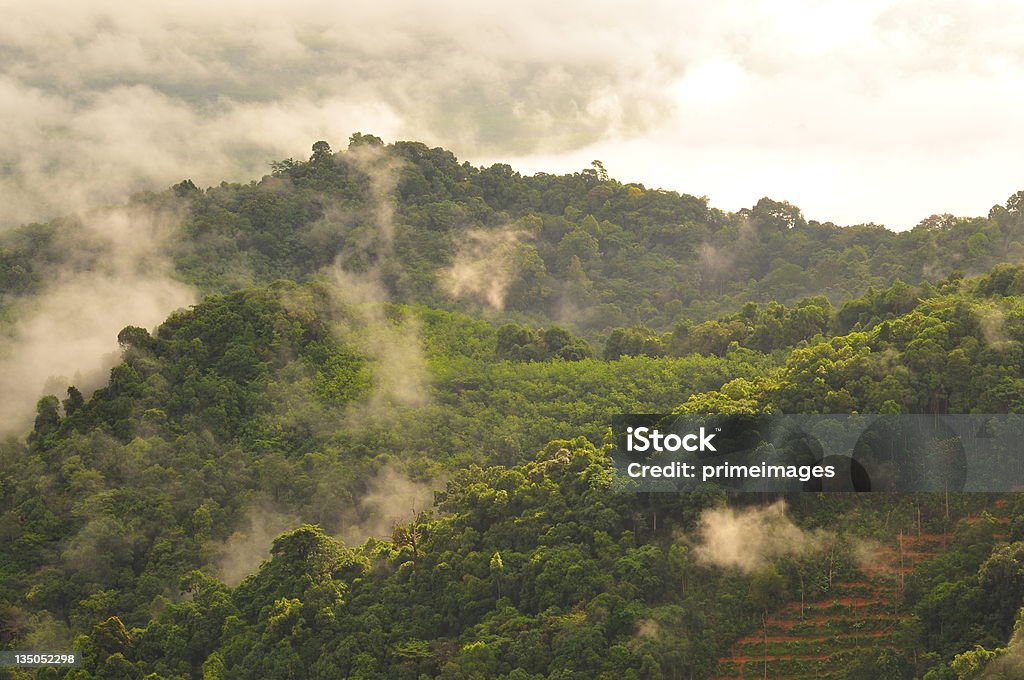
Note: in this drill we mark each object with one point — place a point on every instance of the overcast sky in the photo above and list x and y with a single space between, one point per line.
855 111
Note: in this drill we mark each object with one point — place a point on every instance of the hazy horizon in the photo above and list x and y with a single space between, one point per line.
882 112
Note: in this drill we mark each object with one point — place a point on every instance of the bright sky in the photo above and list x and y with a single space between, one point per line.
867 111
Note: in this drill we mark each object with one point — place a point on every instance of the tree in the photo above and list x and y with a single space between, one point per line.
47 420
321 152
133 337
497 568
359 139
1002 578
767 588
770 216
74 402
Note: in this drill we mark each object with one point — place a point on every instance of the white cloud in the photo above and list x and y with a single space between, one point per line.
856 112
869 111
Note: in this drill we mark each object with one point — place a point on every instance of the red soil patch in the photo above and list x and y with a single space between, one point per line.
879 591
822 620
856 601
786 657
755 639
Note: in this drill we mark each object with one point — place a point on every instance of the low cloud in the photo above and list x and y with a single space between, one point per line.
249 545
796 99
1008 665
749 538
111 273
392 498
383 171
713 262
400 376
484 266
992 322
100 100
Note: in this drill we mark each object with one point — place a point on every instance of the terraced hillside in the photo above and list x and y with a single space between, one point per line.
818 639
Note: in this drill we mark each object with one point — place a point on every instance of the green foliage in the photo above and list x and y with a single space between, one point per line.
520 343
117 509
598 252
247 394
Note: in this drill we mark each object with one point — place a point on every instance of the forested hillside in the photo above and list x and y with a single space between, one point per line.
580 249
378 447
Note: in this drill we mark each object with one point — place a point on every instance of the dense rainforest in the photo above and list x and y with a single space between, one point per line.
378 447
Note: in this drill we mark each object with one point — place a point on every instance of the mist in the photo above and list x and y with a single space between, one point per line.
358 312
392 498
383 171
112 273
401 377
249 545
992 321
748 539
798 100
100 100
484 266
1007 666
713 262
